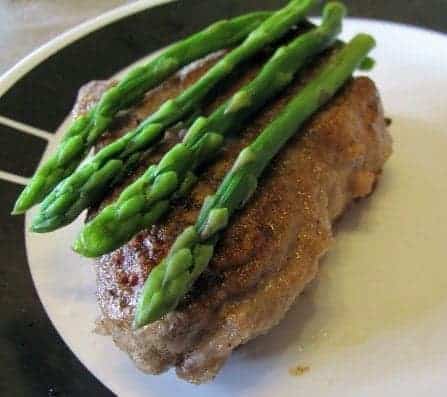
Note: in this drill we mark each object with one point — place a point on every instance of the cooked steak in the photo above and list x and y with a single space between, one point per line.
269 252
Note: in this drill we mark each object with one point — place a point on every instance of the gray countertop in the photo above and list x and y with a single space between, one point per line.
27 24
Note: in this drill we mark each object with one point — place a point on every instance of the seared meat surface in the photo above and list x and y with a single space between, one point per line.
269 252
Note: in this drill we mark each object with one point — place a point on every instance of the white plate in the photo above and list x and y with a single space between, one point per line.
374 323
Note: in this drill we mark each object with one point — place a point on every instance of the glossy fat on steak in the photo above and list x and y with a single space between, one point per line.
271 249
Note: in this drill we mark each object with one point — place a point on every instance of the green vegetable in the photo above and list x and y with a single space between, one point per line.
193 249
85 130
77 197
205 137
367 64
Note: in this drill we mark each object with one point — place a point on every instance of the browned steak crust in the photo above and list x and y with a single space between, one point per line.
271 249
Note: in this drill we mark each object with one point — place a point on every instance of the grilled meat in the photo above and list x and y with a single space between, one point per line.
269 252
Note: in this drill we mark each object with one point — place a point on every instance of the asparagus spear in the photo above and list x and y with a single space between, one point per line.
367 64
174 172
193 249
84 131
84 186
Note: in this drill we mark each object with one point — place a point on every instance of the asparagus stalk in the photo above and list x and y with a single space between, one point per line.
85 130
193 249
205 137
366 65
87 184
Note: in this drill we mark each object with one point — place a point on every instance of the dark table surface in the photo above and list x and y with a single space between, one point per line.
34 361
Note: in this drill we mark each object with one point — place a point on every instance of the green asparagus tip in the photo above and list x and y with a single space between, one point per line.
17 210
21 205
82 249
336 7
367 64
78 247
367 40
